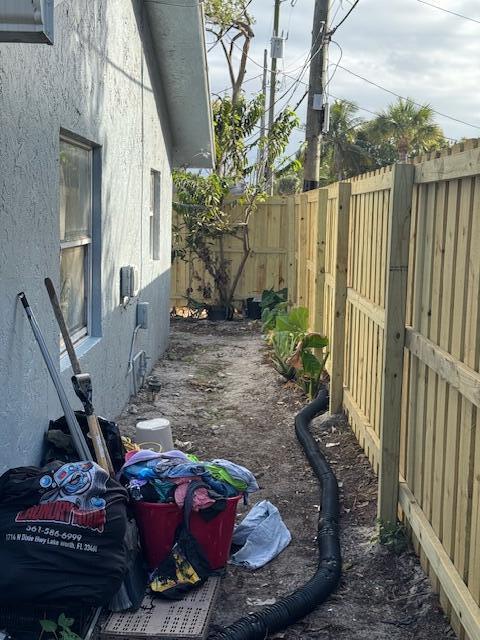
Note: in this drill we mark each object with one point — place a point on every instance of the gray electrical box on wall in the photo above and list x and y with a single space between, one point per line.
142 315
129 284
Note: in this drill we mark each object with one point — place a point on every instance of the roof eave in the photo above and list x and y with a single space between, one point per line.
178 33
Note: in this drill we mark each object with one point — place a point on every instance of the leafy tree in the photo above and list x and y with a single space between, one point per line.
289 175
379 153
346 157
408 128
353 146
342 156
204 202
231 17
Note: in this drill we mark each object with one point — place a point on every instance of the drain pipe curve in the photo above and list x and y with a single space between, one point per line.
295 606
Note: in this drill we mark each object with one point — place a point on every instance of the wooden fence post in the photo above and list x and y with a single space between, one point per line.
291 246
301 242
339 307
318 259
394 339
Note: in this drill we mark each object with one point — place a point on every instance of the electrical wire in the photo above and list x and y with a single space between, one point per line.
397 95
337 9
303 68
336 65
373 113
305 53
244 82
453 13
332 31
379 86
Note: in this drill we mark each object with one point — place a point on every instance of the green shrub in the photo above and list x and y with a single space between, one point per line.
293 350
273 303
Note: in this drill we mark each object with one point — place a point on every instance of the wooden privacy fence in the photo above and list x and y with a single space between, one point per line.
398 295
388 264
271 263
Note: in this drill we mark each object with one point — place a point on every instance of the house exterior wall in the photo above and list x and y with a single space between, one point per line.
98 82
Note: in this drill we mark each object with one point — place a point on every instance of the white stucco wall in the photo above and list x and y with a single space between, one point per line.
96 82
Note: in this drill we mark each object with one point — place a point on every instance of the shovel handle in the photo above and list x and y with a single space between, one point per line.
101 452
57 310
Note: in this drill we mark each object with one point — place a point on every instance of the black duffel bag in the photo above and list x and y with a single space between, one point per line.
59 445
62 530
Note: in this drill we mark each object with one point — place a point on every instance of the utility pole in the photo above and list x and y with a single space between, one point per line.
317 108
261 151
273 86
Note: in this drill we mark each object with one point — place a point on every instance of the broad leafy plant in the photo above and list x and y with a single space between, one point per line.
308 366
295 350
290 327
273 303
60 630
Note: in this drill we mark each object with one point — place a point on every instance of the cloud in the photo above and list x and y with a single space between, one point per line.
404 45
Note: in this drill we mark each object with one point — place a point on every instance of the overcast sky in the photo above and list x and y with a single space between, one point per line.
410 48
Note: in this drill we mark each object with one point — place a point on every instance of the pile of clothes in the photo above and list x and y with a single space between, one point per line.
165 477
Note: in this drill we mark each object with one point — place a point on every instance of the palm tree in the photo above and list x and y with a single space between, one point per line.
411 129
346 157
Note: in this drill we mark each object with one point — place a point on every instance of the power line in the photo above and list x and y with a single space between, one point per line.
459 15
336 64
332 31
373 113
375 84
297 80
337 9
284 73
397 95
244 82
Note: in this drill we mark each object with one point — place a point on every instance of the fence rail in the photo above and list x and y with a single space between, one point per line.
388 264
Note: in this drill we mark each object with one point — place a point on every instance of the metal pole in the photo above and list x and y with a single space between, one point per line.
261 151
75 430
273 87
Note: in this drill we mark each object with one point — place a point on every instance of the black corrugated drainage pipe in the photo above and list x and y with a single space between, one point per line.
294 607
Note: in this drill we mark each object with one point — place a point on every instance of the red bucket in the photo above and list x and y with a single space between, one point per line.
158 522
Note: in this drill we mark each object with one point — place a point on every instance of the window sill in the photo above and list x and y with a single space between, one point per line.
82 347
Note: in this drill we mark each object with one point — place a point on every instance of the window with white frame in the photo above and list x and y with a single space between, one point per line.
75 235
155 215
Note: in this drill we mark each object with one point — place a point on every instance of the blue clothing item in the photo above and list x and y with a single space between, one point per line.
151 469
164 489
184 470
240 473
140 471
262 536
224 489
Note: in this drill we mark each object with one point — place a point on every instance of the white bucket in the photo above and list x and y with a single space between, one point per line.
155 431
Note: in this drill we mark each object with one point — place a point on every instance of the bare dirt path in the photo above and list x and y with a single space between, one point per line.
220 393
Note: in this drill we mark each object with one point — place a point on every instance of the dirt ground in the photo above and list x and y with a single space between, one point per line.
222 395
